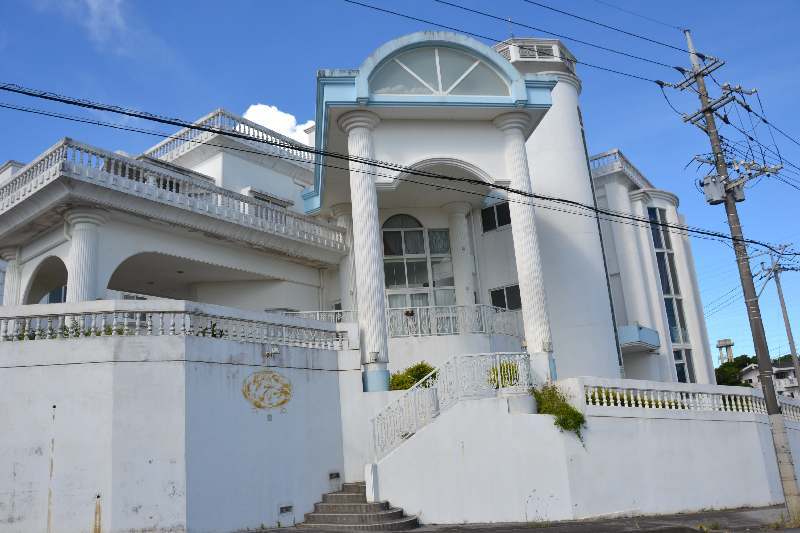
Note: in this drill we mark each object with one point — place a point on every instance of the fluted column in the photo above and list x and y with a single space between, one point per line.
526 247
368 250
347 285
11 287
461 252
82 227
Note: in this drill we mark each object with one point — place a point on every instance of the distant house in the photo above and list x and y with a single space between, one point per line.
784 377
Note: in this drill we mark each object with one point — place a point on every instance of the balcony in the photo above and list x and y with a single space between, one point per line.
615 161
634 338
265 223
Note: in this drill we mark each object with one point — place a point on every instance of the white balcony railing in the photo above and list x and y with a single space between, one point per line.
142 179
461 377
333 316
149 318
615 161
452 320
223 121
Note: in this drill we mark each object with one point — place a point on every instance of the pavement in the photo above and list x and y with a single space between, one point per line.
758 519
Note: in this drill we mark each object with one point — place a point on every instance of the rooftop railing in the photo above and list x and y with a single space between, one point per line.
152 318
615 161
224 121
139 178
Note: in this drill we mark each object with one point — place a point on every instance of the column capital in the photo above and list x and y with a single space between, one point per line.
457 208
515 120
86 215
9 254
343 209
358 119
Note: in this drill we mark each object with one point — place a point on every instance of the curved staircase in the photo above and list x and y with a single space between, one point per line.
348 510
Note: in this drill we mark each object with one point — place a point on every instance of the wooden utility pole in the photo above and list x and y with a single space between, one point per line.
720 188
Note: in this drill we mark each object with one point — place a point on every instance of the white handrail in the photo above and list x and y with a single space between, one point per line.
105 318
461 377
140 178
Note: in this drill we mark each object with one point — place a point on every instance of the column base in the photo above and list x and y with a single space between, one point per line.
543 367
375 378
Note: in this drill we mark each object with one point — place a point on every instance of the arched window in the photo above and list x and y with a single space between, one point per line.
417 264
437 71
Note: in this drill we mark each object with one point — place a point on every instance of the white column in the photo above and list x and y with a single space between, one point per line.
526 247
11 284
629 257
461 252
82 229
368 250
347 285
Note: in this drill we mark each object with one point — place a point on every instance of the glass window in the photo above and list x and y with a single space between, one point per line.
417 273
673 274
401 221
652 213
503 214
453 65
488 219
498 297
680 368
662 216
682 320
439 241
442 272
662 272
392 243
392 78
395 273
513 300
397 301
482 80
445 296
419 299
414 242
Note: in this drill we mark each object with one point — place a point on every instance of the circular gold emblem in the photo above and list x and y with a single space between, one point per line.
267 389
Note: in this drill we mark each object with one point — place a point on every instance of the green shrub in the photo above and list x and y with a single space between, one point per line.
406 379
509 375
551 401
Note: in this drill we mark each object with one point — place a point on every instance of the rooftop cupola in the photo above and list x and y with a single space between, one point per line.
530 55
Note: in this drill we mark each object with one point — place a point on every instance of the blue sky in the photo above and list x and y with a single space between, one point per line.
185 59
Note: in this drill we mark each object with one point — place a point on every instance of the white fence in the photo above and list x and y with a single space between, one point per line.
461 377
148 180
334 316
109 318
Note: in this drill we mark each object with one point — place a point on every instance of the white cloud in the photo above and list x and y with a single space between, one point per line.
273 118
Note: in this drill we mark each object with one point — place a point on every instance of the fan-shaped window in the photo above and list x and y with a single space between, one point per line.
401 221
439 72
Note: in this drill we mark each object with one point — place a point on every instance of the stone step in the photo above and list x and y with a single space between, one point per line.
358 487
405 523
350 507
379 517
343 497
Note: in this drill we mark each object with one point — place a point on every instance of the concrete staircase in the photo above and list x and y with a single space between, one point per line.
348 510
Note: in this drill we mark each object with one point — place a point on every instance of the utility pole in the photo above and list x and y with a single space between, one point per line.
775 271
731 192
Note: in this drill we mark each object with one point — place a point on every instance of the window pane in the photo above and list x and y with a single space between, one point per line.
397 300
682 321
415 242
681 369
689 365
498 297
445 297
417 273
442 273
419 299
481 81
392 243
673 325
439 241
487 219
393 79
673 274
652 213
401 221
662 216
395 274
678 355
453 64
662 272
503 214
513 300
423 63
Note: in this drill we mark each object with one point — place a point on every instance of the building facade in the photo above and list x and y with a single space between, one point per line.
277 285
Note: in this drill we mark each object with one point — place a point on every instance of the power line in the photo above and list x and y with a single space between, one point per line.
496 40
607 26
558 35
645 17
382 164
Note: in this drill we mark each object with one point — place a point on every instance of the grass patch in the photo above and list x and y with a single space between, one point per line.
551 401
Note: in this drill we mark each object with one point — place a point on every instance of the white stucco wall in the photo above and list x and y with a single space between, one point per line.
159 428
481 464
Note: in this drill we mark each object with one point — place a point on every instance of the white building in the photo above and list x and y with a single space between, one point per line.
282 288
783 374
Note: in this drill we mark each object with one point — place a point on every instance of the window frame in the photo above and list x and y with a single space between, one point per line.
505 288
495 217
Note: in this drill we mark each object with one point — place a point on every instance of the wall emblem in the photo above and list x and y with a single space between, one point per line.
267 390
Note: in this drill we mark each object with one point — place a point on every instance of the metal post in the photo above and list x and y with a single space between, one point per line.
786 323
780 440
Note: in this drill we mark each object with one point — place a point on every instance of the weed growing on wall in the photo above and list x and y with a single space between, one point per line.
551 401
